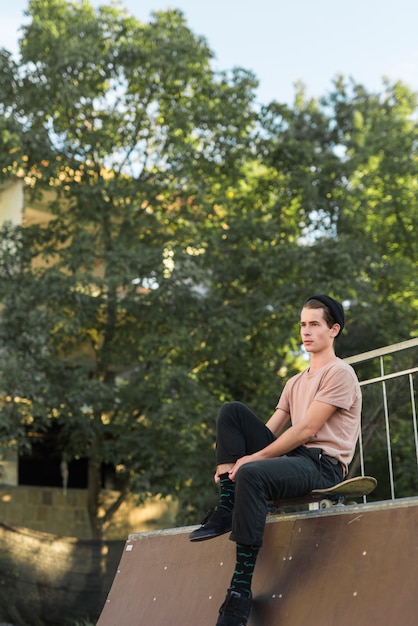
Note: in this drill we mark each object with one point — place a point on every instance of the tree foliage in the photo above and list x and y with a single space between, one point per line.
185 230
128 135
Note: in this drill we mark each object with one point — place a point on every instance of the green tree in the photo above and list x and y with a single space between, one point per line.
351 160
128 136
378 206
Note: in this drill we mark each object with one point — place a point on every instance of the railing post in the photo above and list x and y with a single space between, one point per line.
388 443
414 413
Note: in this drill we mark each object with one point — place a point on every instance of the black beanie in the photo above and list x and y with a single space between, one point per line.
335 307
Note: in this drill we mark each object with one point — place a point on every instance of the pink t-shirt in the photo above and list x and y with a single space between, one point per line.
336 384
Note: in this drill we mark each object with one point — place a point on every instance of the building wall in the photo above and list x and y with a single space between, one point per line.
11 202
51 510
8 466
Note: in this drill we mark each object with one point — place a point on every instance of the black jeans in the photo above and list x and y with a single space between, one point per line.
239 432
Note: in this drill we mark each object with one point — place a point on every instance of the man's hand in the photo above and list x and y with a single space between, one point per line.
250 458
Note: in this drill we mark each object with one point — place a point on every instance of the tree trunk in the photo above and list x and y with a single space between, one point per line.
93 499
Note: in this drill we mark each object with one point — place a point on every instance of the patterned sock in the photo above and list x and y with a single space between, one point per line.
226 500
244 569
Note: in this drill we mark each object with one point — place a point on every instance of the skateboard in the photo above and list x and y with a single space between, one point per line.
340 494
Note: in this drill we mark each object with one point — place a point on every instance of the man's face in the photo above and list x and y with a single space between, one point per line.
315 333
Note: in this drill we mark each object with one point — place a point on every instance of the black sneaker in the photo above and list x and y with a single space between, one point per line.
217 522
235 610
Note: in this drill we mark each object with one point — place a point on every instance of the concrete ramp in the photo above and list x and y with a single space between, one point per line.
355 565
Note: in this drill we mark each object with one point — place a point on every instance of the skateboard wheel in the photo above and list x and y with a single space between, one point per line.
325 504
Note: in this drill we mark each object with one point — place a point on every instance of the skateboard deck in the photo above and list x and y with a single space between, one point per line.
352 487
341 494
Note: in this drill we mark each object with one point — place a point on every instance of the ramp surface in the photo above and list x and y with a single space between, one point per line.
355 565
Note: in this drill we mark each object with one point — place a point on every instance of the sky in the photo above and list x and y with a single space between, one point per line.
287 41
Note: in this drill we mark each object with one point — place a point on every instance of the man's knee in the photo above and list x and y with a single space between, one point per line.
229 410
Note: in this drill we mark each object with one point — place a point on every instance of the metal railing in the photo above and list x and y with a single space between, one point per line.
389 408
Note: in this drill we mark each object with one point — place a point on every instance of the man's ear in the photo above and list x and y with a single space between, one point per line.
335 330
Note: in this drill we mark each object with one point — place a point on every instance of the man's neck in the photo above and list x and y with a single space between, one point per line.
319 359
